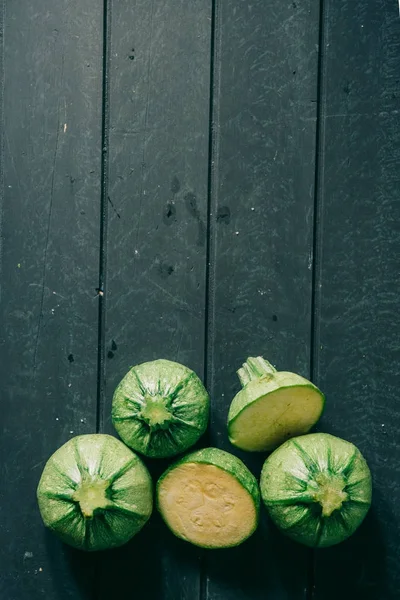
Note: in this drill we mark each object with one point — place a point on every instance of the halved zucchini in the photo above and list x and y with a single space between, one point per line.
210 499
272 407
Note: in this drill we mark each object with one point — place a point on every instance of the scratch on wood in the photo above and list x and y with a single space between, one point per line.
179 343
129 132
113 207
39 464
177 301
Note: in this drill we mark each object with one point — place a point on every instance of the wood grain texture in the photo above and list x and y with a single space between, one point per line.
173 288
49 267
358 290
156 251
265 89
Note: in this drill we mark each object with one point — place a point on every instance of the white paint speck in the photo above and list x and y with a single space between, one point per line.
83 420
57 419
136 251
52 311
65 127
40 570
28 555
70 384
71 431
252 208
236 233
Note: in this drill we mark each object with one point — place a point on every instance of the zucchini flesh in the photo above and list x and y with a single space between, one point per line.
272 407
276 417
209 498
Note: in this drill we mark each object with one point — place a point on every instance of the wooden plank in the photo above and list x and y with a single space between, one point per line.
156 251
262 207
51 127
358 301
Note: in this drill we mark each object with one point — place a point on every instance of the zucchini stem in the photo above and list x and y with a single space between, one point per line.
155 413
92 495
330 494
255 368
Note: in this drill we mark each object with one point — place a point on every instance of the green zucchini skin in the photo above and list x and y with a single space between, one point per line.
93 461
225 461
317 489
160 408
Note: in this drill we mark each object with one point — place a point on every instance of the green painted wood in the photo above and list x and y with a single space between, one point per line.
265 91
357 303
172 287
51 132
156 239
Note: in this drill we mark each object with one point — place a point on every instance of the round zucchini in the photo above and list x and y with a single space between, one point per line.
272 407
317 489
160 408
210 499
94 493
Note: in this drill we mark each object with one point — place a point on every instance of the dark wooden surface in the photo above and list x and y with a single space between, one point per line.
51 158
199 181
357 328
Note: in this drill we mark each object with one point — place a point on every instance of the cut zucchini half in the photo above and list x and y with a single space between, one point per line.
160 408
272 407
210 499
